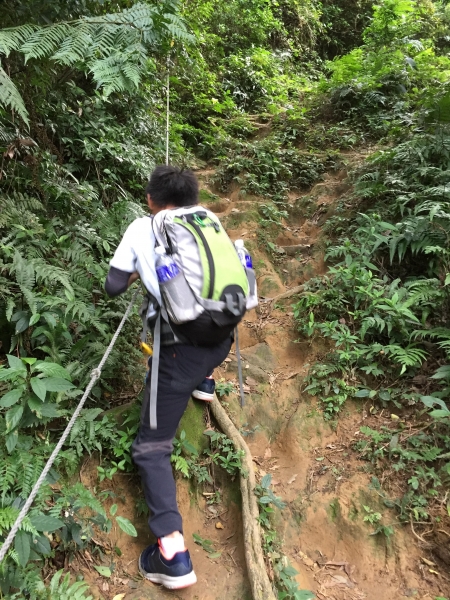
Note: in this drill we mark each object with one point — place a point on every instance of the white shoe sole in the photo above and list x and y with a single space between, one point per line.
203 396
171 583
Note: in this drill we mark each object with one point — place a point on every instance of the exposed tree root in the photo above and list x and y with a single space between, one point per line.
287 294
259 580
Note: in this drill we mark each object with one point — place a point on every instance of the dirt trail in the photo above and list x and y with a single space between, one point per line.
313 468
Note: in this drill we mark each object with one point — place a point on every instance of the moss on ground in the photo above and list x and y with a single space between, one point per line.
205 197
194 425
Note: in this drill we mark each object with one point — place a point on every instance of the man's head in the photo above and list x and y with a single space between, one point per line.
171 187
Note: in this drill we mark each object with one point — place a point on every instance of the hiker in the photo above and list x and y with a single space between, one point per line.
187 354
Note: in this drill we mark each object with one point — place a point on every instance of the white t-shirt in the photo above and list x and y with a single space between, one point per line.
136 252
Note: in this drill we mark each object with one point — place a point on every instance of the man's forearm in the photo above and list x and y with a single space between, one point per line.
117 281
133 277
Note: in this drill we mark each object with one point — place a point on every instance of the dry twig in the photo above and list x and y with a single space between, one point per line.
416 534
287 294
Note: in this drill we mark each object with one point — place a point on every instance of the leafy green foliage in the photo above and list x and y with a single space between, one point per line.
27 404
224 388
222 452
383 305
63 590
10 97
253 96
287 586
266 169
112 47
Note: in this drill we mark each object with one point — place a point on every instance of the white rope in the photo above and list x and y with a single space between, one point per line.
168 109
94 376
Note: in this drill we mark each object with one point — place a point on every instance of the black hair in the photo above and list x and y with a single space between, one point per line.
172 185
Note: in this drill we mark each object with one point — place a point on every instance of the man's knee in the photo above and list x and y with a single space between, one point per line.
144 450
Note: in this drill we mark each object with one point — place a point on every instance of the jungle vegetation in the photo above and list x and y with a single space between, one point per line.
82 123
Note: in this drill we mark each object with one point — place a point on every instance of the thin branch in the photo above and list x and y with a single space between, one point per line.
287 294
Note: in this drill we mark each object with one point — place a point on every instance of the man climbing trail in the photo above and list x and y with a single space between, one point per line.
188 354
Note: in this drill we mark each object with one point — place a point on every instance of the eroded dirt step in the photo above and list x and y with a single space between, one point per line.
221 574
323 482
314 468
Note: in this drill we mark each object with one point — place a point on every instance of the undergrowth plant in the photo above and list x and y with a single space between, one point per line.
383 306
74 128
284 573
221 452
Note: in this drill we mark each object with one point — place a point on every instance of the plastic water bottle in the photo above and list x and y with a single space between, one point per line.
166 268
244 256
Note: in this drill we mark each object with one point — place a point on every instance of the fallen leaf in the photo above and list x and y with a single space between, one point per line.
340 579
214 555
105 586
250 381
428 562
104 571
119 597
227 360
212 510
219 525
395 417
306 560
267 453
292 479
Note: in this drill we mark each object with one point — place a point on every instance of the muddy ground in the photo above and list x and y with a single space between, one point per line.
313 465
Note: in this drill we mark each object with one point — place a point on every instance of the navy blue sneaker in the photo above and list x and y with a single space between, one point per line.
173 574
205 391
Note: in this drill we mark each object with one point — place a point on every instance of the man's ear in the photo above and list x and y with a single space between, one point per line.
154 208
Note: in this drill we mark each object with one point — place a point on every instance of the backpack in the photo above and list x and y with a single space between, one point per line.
212 292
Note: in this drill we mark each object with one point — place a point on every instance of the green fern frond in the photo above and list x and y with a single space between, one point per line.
12 554
110 46
45 40
10 97
406 357
30 298
24 271
14 37
76 45
50 274
62 590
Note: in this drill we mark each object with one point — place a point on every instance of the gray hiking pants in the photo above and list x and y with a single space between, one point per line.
181 369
